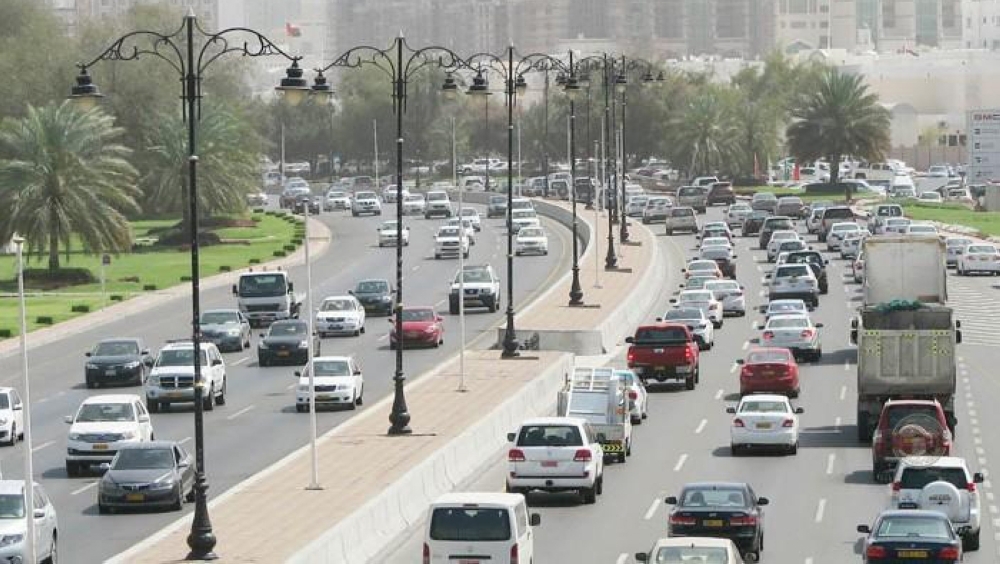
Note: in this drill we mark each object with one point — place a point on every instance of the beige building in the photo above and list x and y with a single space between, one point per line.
206 10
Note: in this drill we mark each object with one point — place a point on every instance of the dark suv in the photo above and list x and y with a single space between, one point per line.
816 262
772 224
908 428
721 193
831 215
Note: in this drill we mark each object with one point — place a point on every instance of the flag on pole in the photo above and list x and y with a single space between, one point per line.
292 30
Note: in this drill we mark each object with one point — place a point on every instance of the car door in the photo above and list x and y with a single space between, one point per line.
145 423
45 525
17 408
244 327
218 369
360 309
185 468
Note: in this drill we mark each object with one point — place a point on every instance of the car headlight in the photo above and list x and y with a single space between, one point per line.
8 540
3 421
74 436
109 486
386 298
234 332
153 380
131 365
262 345
303 344
91 366
127 435
163 484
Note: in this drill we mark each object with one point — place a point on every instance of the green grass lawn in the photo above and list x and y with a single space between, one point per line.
129 273
986 222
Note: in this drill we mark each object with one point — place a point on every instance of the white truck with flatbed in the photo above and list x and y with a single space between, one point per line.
599 396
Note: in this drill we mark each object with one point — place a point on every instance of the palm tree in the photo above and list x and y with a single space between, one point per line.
63 174
227 167
704 133
838 117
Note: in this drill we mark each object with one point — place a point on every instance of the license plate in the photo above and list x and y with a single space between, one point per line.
175 395
110 372
323 396
763 425
101 446
713 523
283 353
912 554
767 374
336 327
468 562
134 497
549 464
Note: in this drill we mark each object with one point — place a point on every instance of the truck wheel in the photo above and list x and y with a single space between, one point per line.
864 435
152 406
670 231
453 307
493 304
689 383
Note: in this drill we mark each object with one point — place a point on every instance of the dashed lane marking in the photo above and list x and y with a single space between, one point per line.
241 361
41 446
240 412
701 426
80 490
718 395
830 459
680 462
843 392
652 509
820 509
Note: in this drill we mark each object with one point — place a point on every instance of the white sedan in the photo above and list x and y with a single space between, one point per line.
531 240
764 420
340 315
703 300
470 230
638 398
730 293
388 231
775 242
472 216
979 258
680 550
839 232
337 380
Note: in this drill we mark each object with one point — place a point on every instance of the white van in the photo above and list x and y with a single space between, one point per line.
480 527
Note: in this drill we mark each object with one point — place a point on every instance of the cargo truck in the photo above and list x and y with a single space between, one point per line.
267 296
599 396
904 331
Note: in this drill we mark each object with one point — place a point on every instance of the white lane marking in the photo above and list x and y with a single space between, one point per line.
847 366
383 337
240 412
756 325
240 361
718 395
809 560
184 440
972 413
820 509
836 422
41 446
994 510
622 558
652 509
830 459
84 488
701 426
680 463
439 304
746 345
43 400
762 293
416 268
733 368
843 392
290 386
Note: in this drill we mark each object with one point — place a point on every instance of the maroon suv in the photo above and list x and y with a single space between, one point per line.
721 193
908 428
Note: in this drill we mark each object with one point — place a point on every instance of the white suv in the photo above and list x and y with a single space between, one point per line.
338 382
100 425
944 485
172 377
556 454
481 285
791 281
365 202
438 203
11 416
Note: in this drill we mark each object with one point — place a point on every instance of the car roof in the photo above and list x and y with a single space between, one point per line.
110 398
146 445
345 297
925 513
186 344
765 397
787 301
479 498
554 421
710 542
12 487
710 485
332 357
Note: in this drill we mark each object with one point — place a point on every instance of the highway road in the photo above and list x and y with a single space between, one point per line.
259 425
818 496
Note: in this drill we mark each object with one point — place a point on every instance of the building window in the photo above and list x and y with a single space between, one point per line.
889 14
824 25
798 25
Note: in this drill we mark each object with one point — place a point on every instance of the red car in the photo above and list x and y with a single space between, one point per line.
769 370
908 428
422 326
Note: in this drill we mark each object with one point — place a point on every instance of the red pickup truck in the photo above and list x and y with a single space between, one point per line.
664 352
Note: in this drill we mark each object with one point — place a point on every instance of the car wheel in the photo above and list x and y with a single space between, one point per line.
361 396
689 383
103 509
353 403
152 406
72 469
453 308
589 495
91 384
208 402
670 231
221 399
793 449
178 503
13 435
261 361
302 408
970 542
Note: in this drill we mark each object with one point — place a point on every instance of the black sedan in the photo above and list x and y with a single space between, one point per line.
911 536
728 510
753 222
117 361
374 295
303 200
286 341
147 474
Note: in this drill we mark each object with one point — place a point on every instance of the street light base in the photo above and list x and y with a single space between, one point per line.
314 488
400 430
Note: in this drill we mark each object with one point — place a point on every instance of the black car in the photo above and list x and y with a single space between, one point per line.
374 295
304 200
117 361
586 189
729 510
911 535
147 474
753 222
816 263
772 224
721 193
285 341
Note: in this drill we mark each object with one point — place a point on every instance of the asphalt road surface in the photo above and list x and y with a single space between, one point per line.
259 425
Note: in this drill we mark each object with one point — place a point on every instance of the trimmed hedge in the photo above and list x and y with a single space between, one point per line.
280 253
289 247
825 188
6 333
225 268
151 287
184 278
44 320
80 308
117 297
255 261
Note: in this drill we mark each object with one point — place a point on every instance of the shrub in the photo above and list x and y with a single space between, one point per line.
825 188
185 278
151 287
117 297
279 253
289 247
80 308
255 261
225 268
6 333
62 276
44 320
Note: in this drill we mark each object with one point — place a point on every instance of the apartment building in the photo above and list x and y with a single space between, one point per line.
206 10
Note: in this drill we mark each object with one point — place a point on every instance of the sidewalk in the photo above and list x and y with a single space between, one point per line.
384 483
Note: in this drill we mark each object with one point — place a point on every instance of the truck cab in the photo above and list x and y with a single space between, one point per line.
266 296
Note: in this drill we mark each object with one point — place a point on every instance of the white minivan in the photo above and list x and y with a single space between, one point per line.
480 527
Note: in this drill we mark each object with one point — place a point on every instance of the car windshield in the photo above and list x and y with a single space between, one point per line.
722 285
418 315
340 304
787 322
4 401
916 477
95 412
695 296
712 241
682 212
437 196
794 245
332 367
389 226
784 235
280 329
372 287
739 208
219 317
657 202
143 459
364 196
549 436
761 196
702 265
684 314
763 406
776 224
915 412
685 554
713 497
448 232
769 356
791 271
660 336
475 275
716 252
914 527
179 357
982 249
262 285
498 200
12 506
530 232
470 524
690 191
117 348
469 212
889 211
335 195
960 243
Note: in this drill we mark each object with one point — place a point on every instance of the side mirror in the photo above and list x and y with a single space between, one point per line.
734 256
40 513
673 300
629 340
297 373
438 318
68 419
826 262
670 500
958 337
391 321
731 410
641 557
144 418
351 292
799 410
86 354
740 361
235 290
763 501
854 336
819 325
978 478
864 529
684 270
261 335
217 362
18 407
291 287
535 519
511 437
104 466
184 464
145 351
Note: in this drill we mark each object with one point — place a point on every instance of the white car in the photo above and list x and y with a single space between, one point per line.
851 245
790 281
338 381
776 238
388 231
979 258
942 484
681 550
172 378
730 293
523 218
895 225
838 232
11 416
472 216
858 268
14 526
438 203
764 420
638 397
479 287
656 209
364 202
531 240
338 200
795 332
788 246
921 230
955 247
390 194
466 225
697 322
784 307
703 300
681 218
414 204
100 425
716 242
636 205
340 315
522 204
930 197
555 454
450 241
736 213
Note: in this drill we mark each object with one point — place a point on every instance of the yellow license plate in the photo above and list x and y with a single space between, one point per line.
100 446
283 353
763 425
912 554
134 497
713 523
175 395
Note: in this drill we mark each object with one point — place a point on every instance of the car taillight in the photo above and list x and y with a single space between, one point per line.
808 333
515 455
633 395
630 356
743 521
971 487
583 455
875 551
896 486
738 422
688 355
427 554
788 423
746 372
948 553
514 554
682 520
768 335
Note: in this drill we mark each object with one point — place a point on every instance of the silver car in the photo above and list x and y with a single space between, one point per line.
955 246
794 281
730 293
681 219
736 213
700 325
784 307
796 333
635 206
851 245
656 209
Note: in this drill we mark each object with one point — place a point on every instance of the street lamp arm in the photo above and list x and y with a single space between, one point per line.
364 55
219 44
130 47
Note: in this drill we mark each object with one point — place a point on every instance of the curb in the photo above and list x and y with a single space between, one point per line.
147 301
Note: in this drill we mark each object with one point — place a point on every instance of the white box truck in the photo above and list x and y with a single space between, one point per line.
599 396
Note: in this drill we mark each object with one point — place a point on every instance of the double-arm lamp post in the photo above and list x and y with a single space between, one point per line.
190 50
